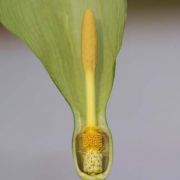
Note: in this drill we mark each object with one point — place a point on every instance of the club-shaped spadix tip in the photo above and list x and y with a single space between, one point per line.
89 40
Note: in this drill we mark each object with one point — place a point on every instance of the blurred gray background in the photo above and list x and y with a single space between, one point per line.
144 110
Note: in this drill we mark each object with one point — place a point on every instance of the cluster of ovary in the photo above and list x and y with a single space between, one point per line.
92 143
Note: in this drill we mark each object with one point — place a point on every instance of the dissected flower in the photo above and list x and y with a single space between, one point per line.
77 41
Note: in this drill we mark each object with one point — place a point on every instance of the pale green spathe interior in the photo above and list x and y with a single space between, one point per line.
52 29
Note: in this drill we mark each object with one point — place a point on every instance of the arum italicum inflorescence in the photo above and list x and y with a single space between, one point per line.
77 41
92 139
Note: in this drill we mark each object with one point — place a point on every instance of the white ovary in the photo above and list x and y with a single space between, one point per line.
92 162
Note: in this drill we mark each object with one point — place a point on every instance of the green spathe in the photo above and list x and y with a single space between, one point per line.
52 29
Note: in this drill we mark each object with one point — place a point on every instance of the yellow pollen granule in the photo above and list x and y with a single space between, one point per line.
91 139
